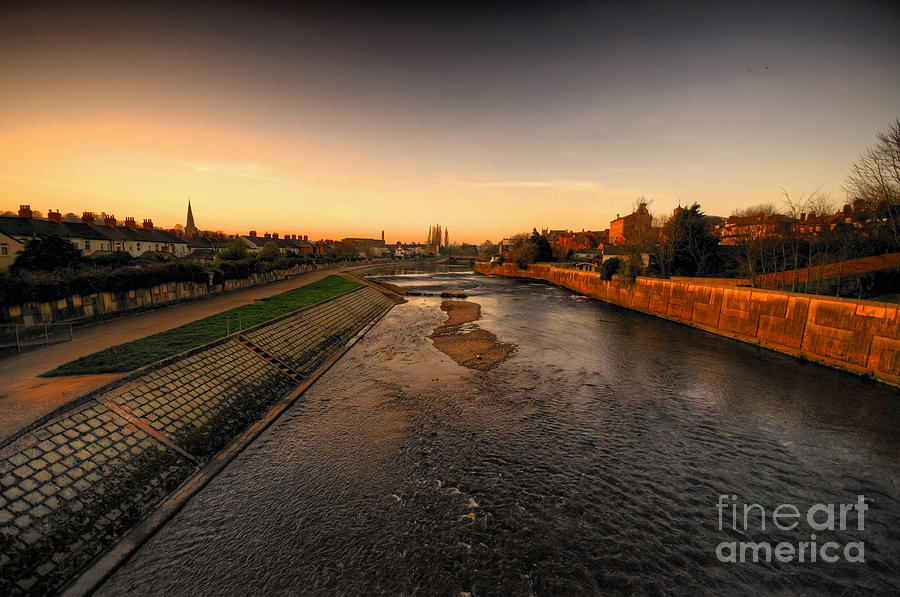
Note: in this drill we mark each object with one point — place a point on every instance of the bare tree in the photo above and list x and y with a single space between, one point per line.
874 181
762 209
799 207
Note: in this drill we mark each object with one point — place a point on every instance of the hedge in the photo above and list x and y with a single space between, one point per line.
42 287
15 290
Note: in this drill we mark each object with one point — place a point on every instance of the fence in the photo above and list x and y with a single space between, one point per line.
21 336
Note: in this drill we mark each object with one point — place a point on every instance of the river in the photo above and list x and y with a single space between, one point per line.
590 462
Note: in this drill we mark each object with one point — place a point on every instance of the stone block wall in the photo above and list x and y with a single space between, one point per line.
101 304
858 336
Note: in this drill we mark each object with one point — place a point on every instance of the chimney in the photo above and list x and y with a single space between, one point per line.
25 211
87 218
847 210
275 235
382 236
130 223
252 234
148 224
305 237
293 237
803 217
109 220
54 216
267 235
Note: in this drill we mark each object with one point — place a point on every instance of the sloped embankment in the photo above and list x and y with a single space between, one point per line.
75 485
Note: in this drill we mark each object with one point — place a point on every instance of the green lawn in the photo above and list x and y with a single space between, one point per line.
131 355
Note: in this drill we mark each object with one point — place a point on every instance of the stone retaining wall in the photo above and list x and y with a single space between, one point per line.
101 304
858 336
74 485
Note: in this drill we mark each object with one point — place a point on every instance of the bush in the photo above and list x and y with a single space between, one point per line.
114 259
235 250
525 254
610 268
235 270
269 252
47 254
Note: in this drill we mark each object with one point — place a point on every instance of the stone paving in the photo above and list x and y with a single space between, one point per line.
185 397
72 487
302 339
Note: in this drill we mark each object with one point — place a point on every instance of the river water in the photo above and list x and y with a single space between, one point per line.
590 462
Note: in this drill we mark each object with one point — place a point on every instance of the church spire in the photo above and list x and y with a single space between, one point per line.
190 230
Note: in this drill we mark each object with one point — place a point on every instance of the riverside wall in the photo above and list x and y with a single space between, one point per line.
104 304
858 336
73 485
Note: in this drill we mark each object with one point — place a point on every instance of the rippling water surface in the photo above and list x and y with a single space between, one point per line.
589 462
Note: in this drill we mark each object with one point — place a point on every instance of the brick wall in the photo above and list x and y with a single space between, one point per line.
858 336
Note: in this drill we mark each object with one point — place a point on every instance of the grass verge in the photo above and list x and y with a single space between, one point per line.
131 355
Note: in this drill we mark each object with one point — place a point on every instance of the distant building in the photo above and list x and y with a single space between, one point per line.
506 246
366 247
295 244
738 229
9 246
89 235
563 241
623 227
190 229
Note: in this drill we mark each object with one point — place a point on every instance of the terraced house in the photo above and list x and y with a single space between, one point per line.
90 235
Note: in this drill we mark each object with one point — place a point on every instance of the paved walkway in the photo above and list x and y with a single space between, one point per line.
25 397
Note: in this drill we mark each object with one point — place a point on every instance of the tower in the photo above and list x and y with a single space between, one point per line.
190 230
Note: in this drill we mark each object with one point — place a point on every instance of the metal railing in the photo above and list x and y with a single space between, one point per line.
43 334
233 324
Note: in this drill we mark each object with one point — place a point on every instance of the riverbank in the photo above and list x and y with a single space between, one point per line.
471 347
861 337
26 397
74 485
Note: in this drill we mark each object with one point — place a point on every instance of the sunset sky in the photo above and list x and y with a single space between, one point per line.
335 120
